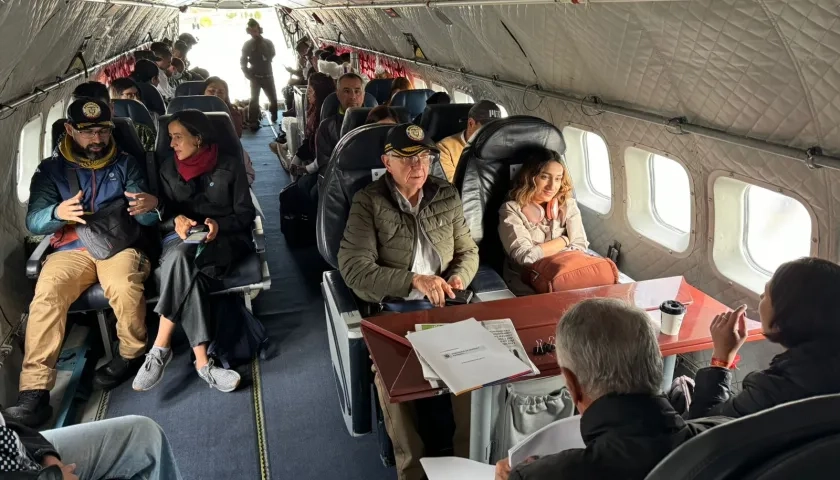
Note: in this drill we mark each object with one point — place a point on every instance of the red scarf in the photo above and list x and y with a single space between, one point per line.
197 165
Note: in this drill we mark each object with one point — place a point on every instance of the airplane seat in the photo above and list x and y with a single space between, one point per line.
794 440
355 117
190 88
136 111
93 299
441 121
251 274
380 88
413 100
331 104
147 94
204 103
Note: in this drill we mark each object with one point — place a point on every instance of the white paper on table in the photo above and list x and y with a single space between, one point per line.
552 438
456 468
466 356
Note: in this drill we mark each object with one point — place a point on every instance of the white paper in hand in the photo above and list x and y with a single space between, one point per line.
456 468
552 438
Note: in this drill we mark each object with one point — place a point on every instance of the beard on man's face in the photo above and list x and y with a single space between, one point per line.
93 151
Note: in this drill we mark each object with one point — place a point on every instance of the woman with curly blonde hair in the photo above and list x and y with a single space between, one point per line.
542 218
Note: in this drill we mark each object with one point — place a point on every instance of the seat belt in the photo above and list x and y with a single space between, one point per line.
151 172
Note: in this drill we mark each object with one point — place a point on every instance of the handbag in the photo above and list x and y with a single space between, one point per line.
570 270
110 229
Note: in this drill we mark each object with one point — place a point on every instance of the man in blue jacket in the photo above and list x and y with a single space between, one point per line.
105 175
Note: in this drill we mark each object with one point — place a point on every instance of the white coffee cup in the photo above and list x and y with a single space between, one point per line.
672 314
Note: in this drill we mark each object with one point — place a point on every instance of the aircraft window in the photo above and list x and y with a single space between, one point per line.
28 155
756 229
439 88
56 112
777 228
589 165
503 110
461 97
419 84
659 199
670 190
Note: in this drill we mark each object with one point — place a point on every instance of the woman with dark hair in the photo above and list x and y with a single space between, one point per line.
320 87
799 310
216 87
399 84
382 114
206 222
542 218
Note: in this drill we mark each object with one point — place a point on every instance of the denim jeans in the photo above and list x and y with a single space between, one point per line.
130 447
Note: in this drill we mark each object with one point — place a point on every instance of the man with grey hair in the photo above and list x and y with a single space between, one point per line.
609 354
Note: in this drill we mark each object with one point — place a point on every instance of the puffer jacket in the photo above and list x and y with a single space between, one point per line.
49 187
802 372
379 243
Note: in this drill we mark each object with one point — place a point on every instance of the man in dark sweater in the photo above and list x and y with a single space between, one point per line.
257 54
609 354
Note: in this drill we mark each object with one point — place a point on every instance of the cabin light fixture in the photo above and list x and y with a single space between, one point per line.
441 16
391 12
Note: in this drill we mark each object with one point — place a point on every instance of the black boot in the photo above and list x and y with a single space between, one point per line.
32 409
117 371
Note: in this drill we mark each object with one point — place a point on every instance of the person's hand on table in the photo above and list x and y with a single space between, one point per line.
434 288
729 332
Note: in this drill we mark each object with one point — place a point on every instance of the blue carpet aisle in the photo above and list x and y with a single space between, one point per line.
213 434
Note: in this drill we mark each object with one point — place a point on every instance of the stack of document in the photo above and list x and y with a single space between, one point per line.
468 355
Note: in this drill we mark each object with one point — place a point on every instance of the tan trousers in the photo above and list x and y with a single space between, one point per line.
401 424
64 277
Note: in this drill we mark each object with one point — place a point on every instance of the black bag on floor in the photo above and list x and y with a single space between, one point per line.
297 216
239 336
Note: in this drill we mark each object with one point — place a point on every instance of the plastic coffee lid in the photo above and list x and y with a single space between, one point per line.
672 307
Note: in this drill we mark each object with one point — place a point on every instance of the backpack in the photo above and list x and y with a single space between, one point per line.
297 216
239 336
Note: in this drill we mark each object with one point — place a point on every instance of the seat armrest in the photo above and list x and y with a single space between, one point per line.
340 293
258 235
36 260
487 280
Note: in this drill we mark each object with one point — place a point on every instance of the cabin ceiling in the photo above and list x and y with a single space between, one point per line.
769 69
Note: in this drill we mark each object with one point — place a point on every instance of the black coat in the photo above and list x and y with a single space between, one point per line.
625 436
804 371
223 195
36 446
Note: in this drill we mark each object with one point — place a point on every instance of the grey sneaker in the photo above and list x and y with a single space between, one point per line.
151 373
219 378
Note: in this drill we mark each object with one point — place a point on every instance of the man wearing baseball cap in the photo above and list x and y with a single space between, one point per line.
87 155
451 147
407 246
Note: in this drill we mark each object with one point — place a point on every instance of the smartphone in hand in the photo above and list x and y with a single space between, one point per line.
462 297
197 234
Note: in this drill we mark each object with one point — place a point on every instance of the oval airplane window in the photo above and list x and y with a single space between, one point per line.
503 111
670 190
588 161
439 88
461 97
28 155
56 113
419 84
777 229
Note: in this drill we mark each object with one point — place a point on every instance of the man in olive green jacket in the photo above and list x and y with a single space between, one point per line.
406 237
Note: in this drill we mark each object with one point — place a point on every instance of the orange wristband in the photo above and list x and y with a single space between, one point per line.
716 362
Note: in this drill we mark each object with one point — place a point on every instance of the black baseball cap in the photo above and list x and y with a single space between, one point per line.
86 113
484 110
408 139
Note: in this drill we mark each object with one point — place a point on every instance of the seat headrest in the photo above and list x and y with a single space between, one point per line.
355 117
190 88
152 98
225 136
134 110
484 173
413 100
124 134
758 446
355 163
204 103
441 121
380 88
331 104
